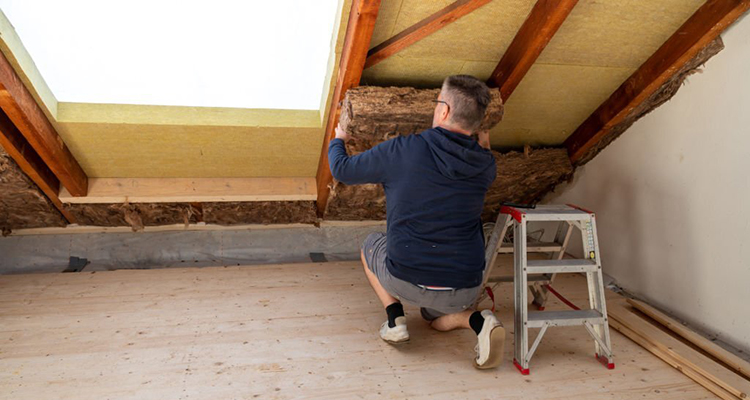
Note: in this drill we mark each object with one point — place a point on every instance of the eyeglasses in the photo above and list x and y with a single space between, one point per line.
446 104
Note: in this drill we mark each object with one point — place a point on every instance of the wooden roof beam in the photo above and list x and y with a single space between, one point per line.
356 41
536 32
421 30
698 31
30 163
21 108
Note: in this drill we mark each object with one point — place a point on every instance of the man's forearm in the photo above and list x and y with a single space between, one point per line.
337 157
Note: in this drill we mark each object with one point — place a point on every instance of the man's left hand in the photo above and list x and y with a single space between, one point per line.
341 134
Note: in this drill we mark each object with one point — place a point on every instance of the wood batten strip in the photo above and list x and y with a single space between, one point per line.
28 117
736 363
421 30
186 190
353 55
678 351
698 31
536 32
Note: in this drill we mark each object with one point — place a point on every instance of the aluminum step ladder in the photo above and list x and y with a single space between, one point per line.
594 320
537 283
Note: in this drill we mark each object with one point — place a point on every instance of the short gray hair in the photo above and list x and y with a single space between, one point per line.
469 98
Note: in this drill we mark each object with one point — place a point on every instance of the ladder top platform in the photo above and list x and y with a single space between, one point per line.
548 212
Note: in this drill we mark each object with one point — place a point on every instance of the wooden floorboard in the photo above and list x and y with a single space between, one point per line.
279 331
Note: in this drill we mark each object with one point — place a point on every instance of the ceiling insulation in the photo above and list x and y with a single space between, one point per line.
600 44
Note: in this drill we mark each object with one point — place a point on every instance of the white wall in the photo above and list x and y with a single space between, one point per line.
672 198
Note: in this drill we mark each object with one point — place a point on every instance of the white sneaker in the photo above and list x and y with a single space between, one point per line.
397 334
490 342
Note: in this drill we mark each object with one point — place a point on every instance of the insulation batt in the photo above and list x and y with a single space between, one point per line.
22 203
372 115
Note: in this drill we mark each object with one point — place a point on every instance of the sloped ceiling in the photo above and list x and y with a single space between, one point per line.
600 44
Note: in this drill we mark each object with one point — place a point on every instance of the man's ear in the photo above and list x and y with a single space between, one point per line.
444 114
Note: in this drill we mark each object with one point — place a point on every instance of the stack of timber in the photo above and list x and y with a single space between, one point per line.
372 115
710 365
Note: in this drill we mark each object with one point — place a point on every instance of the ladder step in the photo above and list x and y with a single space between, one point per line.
533 247
533 278
560 266
556 215
537 319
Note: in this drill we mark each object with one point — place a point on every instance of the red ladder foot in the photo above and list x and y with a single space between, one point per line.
605 361
524 371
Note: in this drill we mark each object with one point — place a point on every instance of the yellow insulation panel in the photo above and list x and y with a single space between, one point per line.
616 33
600 44
107 150
552 101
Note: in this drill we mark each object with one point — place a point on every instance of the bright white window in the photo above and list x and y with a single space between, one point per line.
213 53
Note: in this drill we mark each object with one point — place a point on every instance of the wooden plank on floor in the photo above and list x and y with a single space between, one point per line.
179 190
731 382
738 364
689 372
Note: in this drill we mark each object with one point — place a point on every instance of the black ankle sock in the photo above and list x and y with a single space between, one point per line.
476 321
394 311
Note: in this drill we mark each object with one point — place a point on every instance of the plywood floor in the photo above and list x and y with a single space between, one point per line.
281 331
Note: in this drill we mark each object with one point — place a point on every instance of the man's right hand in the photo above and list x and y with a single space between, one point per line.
484 139
341 134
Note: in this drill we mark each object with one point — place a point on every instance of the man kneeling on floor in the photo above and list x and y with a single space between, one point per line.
433 253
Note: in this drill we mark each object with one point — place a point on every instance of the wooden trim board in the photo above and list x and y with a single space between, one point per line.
733 383
699 30
180 190
422 29
738 364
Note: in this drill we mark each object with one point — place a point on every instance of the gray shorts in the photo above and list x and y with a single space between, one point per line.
433 303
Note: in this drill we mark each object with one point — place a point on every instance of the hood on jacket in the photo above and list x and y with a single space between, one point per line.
456 155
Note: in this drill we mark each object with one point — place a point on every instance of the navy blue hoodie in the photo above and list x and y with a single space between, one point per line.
435 183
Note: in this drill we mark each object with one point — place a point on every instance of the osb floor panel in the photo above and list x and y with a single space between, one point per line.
280 331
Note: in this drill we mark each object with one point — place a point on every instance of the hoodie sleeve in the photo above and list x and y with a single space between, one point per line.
369 167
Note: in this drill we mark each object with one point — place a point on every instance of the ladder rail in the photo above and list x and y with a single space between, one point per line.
602 303
520 286
503 222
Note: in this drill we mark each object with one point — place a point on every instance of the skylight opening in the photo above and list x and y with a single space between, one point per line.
219 53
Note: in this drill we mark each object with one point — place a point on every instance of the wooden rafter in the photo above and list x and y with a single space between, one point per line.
21 108
356 41
421 30
536 32
30 163
698 31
